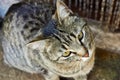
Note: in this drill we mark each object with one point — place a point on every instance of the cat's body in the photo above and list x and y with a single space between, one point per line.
37 41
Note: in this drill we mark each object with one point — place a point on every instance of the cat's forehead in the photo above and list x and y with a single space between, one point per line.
72 23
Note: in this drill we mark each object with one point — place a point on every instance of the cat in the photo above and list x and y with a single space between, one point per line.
38 38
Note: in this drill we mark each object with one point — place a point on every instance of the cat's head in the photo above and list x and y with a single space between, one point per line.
73 41
74 37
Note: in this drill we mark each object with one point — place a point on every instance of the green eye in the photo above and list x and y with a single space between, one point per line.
66 54
80 36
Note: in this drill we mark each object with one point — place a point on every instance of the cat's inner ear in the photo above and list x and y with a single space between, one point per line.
37 45
62 11
36 39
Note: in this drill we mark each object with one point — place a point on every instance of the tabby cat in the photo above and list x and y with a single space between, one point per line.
39 39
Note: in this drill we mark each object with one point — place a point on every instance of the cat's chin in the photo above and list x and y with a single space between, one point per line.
72 73
70 70
76 70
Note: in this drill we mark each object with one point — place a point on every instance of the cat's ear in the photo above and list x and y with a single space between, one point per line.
62 11
36 39
37 45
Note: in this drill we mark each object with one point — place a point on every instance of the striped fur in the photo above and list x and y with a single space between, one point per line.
35 40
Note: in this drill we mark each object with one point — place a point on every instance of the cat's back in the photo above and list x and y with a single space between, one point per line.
21 24
27 19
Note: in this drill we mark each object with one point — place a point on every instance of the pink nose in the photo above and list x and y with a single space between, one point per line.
86 55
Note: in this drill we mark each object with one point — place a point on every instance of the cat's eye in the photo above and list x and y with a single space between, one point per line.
66 54
80 36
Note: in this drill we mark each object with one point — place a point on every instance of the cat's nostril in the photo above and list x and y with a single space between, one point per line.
86 55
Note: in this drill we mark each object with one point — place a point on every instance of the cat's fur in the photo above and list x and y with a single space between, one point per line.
37 41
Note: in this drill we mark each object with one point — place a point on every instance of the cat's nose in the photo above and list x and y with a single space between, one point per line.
83 53
86 55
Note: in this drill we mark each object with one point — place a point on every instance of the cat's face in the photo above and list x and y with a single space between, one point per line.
71 49
73 43
74 40
72 46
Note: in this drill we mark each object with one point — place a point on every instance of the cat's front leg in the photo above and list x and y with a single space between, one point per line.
51 76
83 77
